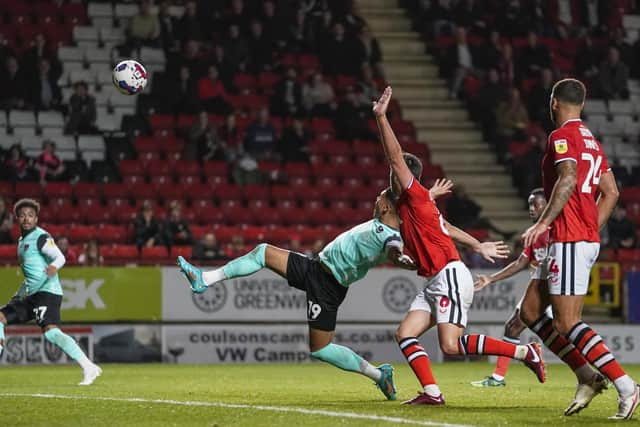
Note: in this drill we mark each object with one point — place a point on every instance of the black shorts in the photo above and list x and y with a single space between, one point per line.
44 307
324 293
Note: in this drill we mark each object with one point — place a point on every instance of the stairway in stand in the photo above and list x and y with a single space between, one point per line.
454 140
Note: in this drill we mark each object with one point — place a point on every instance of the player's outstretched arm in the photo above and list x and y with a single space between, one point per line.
562 189
392 149
441 187
397 258
490 251
608 197
512 268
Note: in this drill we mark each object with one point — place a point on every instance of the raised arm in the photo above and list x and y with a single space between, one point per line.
608 197
441 187
392 149
512 268
562 189
490 251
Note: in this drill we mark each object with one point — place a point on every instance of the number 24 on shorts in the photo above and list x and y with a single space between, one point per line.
313 310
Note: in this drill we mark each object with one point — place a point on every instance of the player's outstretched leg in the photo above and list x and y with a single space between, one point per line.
67 344
242 266
348 360
1 338
512 330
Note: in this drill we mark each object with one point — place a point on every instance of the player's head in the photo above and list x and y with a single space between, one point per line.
567 95
385 203
415 166
537 202
26 211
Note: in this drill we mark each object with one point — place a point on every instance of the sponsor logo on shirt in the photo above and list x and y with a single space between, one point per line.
561 146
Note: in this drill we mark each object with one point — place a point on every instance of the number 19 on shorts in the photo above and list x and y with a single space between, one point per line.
313 310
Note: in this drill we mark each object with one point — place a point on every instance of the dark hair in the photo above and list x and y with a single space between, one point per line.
414 164
537 192
391 196
570 91
26 203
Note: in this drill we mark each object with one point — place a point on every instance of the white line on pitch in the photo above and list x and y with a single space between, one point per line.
246 407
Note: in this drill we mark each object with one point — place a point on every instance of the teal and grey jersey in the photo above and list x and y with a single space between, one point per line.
36 251
350 255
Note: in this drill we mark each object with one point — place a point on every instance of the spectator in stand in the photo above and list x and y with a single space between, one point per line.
236 49
468 14
260 139
464 212
82 114
511 121
208 249
182 95
367 88
526 168
48 164
272 23
203 142
614 77
212 93
224 67
176 230
318 95
506 66
484 105
459 62
350 120
5 50
618 40
337 54
69 253
622 231
533 57
260 48
230 135
190 27
6 223
369 52
588 59
511 18
491 53
287 100
41 51
14 85
539 96
147 227
238 15
46 93
144 28
294 145
17 164
297 37
237 247
440 15
194 57
91 256
169 36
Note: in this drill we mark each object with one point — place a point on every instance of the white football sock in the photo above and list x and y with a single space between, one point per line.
521 352
370 371
625 386
432 390
497 377
84 362
213 276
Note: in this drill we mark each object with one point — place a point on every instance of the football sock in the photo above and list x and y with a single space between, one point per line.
420 363
1 337
344 358
242 266
561 347
482 344
213 276
68 345
502 364
597 353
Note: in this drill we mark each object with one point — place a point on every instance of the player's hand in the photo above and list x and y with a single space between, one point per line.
404 261
482 281
51 270
532 234
380 106
441 187
491 251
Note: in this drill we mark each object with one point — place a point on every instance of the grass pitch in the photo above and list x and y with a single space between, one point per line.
279 395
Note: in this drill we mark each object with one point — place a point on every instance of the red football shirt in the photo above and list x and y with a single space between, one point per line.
573 142
537 251
422 228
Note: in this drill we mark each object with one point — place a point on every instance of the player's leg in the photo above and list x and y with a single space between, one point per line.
513 327
568 284
261 256
3 322
46 307
453 294
16 311
417 321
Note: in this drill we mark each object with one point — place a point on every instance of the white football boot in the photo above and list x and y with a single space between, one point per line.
90 374
627 405
585 393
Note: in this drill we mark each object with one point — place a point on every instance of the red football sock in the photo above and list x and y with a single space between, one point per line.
482 344
557 343
502 364
595 351
418 360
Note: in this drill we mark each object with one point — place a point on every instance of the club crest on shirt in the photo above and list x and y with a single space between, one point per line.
561 146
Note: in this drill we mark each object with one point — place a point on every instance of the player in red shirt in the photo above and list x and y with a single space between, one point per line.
448 291
575 169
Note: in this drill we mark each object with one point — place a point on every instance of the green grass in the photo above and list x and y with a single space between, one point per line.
523 402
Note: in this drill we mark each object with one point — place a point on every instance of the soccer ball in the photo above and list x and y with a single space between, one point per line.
129 77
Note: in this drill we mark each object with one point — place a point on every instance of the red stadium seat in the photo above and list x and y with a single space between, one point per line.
58 189
267 216
267 82
6 190
170 192
162 121
308 193
68 215
210 216
125 253
628 255
238 215
295 216
158 167
96 214
146 144
245 83
282 192
253 234
83 190
227 192
143 191
224 234
297 169
75 13
131 167
56 230
154 253
114 190
82 233
187 167
216 168
109 233
278 235
307 61
184 251
132 179
8 254
28 189
255 192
